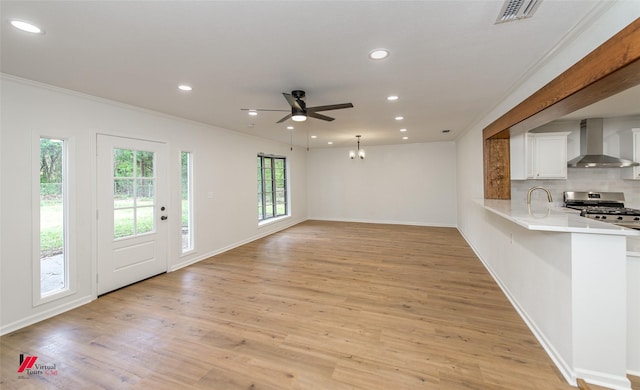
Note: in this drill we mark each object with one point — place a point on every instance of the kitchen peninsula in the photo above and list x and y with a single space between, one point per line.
566 276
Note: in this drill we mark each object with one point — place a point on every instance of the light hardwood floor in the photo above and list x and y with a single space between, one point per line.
321 305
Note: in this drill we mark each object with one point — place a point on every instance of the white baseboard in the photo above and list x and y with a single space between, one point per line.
275 229
603 379
383 222
24 322
287 225
565 369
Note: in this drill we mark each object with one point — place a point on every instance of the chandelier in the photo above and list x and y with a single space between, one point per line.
359 152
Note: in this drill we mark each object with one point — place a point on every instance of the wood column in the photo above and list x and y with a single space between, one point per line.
497 175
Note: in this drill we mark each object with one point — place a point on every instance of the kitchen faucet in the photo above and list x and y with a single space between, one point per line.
538 188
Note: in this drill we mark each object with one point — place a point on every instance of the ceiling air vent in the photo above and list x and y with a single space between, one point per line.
517 9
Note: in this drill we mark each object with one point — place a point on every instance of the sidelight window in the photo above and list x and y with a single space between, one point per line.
53 224
186 198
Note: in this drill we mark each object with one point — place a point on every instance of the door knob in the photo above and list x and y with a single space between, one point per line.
164 218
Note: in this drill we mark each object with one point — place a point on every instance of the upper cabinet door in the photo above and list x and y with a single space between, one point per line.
539 156
550 156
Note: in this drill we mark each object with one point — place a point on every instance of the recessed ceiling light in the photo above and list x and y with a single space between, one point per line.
405 137
28 27
378 54
253 112
330 142
289 127
314 136
399 118
392 98
185 87
403 130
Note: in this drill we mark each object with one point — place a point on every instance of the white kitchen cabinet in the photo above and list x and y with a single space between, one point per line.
630 149
539 156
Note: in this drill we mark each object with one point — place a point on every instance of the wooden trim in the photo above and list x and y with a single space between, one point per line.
609 69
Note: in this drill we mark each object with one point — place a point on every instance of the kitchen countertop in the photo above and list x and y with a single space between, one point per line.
545 217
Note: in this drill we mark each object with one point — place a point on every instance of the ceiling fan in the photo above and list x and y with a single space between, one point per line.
300 111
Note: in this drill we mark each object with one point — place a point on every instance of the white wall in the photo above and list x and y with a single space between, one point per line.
488 236
224 165
400 184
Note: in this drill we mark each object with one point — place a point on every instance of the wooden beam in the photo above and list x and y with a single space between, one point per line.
609 69
625 78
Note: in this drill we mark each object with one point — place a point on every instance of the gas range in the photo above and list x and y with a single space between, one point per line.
603 206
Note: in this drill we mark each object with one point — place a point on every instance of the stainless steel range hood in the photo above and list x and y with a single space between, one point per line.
591 148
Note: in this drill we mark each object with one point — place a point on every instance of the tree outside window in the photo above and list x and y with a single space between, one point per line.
53 229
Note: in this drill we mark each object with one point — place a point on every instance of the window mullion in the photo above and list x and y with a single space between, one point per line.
274 209
135 193
262 188
284 176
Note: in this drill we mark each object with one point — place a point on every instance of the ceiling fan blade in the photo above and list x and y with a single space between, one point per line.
284 119
261 109
293 102
329 107
320 116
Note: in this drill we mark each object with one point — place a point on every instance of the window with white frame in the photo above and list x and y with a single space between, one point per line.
53 224
272 187
186 198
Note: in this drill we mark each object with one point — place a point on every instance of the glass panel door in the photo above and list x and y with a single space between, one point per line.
133 192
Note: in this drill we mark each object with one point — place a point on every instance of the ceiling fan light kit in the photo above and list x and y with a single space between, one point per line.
298 115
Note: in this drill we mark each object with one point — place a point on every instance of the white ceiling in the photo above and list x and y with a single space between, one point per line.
450 64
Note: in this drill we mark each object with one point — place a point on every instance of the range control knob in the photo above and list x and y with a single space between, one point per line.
620 218
604 217
636 219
